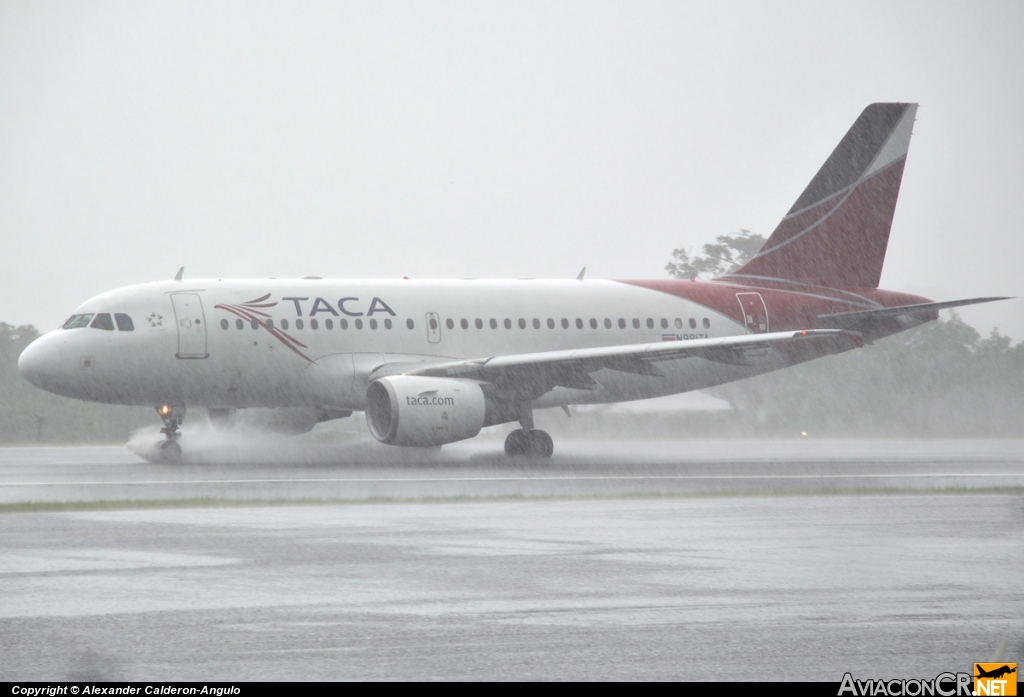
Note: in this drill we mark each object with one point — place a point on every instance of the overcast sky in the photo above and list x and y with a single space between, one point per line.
485 139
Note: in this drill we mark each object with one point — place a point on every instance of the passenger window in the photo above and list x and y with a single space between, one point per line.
536 323
565 323
650 323
343 323
328 324
464 323
270 323
449 323
387 323
479 323
224 324
256 325
284 324
77 322
664 323
494 323
707 323
579 323
314 324
239 324
124 322
607 323
508 323
622 323
298 324
522 323
593 323
103 321
433 324
373 324
693 323
551 323
359 324
636 323
679 323
408 323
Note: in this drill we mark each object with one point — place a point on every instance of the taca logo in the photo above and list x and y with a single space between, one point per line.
349 306
431 402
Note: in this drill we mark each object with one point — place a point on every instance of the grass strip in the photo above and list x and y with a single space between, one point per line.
224 502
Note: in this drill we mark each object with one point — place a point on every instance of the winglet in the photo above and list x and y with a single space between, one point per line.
177 276
579 277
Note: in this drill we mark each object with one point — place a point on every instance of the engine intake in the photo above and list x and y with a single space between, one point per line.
421 411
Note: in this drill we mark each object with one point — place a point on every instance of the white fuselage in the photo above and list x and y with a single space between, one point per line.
285 343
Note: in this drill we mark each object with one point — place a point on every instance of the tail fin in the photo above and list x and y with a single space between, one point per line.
837 231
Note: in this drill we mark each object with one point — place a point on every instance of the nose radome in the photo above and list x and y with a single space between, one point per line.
40 364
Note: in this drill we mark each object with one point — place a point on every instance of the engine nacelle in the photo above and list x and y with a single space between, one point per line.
421 411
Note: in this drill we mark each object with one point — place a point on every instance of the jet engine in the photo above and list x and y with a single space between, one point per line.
423 411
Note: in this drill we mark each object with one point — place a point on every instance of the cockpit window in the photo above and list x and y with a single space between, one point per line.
77 322
103 321
124 322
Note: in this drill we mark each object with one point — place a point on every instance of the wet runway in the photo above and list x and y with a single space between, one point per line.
367 470
708 561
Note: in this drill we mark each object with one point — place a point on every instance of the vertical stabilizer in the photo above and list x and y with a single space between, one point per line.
837 232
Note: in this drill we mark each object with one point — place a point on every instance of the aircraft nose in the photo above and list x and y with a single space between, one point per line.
40 364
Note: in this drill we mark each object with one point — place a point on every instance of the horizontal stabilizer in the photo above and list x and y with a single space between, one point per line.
842 320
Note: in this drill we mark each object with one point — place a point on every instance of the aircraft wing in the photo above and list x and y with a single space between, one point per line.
536 373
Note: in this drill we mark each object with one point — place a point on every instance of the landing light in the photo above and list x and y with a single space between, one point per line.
803 433
165 410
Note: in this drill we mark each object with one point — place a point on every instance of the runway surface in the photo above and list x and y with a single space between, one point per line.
706 561
368 470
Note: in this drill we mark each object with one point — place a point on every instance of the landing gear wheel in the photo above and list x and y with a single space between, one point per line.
541 444
533 443
517 443
170 452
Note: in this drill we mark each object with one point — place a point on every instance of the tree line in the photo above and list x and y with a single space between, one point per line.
940 379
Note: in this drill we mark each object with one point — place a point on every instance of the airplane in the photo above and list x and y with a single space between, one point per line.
995 673
432 362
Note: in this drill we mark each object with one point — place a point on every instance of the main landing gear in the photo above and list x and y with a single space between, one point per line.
532 443
528 440
172 416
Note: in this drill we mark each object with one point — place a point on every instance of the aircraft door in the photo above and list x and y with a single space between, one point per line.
755 313
191 324
433 327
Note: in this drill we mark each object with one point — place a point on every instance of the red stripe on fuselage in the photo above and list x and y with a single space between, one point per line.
790 306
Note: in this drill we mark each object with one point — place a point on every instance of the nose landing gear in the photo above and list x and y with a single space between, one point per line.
172 417
528 440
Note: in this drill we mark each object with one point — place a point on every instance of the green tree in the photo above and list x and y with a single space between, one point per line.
727 253
941 379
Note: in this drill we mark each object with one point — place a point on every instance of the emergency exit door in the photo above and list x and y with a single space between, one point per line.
191 324
755 314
